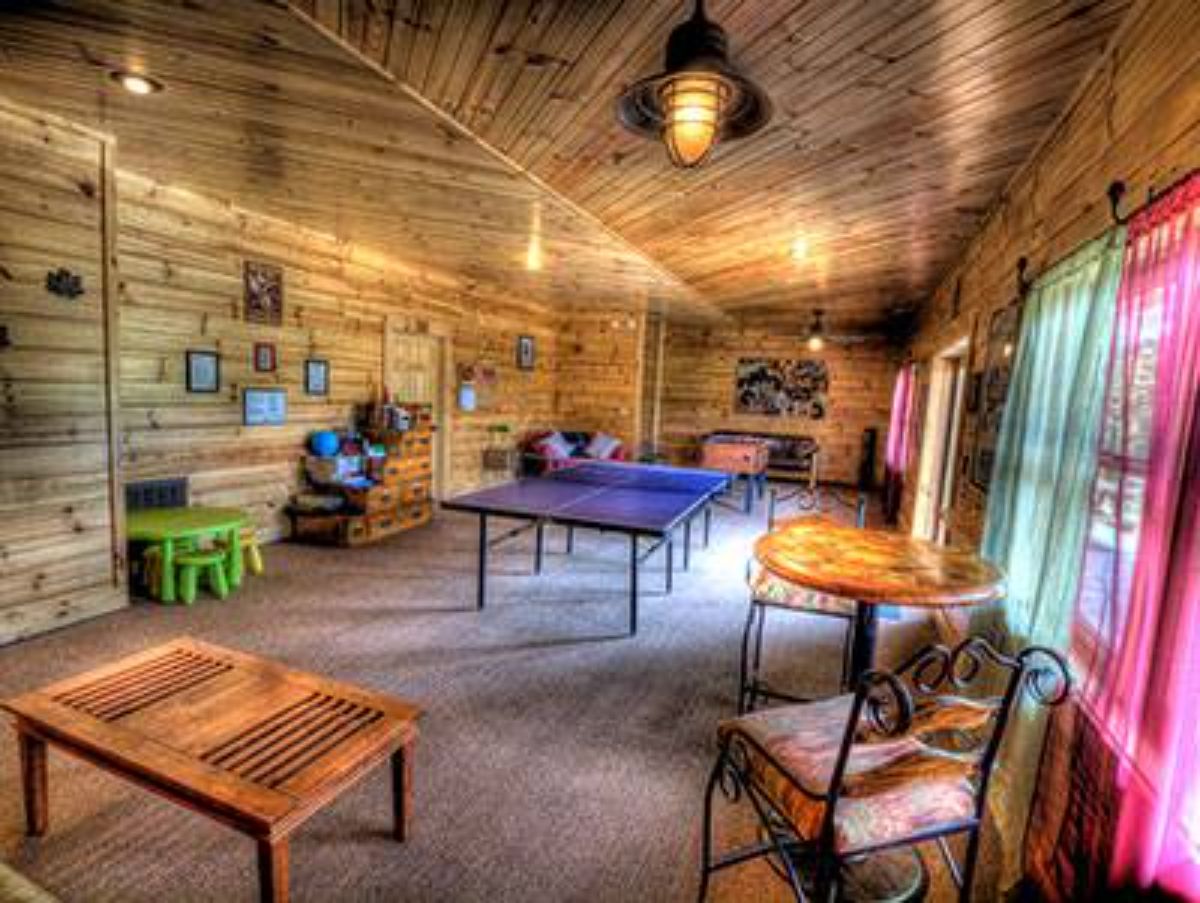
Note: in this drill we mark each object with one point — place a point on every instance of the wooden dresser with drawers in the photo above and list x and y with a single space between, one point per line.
400 499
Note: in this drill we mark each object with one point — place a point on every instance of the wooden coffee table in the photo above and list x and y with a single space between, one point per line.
250 743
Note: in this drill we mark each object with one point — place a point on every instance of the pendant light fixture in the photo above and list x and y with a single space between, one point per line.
699 99
816 333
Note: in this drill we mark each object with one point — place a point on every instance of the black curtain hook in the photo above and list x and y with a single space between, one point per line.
1116 191
1024 283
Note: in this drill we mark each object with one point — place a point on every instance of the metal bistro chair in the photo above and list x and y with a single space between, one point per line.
904 760
768 591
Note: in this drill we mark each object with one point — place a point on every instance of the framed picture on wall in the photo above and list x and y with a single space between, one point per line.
316 376
779 387
203 371
264 407
263 292
264 357
999 354
526 352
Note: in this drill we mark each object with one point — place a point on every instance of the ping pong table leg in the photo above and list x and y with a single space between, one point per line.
481 585
670 562
707 523
749 497
687 544
539 551
633 583
570 540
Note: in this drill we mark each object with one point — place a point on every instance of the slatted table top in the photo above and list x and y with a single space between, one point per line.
876 566
246 739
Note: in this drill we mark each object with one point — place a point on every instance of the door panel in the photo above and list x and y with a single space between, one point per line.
60 523
414 371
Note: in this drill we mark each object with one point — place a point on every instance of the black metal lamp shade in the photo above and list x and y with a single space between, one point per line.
698 100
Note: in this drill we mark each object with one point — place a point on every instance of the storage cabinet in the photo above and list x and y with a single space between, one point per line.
401 499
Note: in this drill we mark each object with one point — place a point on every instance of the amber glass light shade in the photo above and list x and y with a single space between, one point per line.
693 105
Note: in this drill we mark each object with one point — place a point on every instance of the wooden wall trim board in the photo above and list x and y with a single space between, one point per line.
1136 117
112 356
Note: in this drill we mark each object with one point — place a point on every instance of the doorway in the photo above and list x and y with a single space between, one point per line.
414 372
936 482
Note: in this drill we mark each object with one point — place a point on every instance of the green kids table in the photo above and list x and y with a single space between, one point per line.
167 526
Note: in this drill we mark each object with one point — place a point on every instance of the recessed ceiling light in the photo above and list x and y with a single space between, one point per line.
799 248
137 83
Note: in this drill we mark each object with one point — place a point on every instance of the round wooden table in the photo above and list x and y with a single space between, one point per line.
875 567
166 526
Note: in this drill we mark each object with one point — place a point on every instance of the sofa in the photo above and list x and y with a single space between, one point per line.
549 450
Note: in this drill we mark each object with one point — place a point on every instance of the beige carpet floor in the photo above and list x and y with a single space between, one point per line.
559 760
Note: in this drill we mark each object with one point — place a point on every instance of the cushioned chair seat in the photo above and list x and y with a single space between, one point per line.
893 788
768 589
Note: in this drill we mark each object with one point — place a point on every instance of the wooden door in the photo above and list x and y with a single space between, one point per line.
61 524
414 371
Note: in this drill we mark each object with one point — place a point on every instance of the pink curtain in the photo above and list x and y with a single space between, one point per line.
898 442
1139 609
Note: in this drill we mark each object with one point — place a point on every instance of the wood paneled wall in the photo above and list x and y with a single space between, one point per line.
698 393
600 371
1136 118
60 524
522 400
180 287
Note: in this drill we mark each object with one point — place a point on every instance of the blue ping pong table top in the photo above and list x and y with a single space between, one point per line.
649 498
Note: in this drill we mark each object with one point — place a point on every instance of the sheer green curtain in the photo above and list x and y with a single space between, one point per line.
1037 514
1037 511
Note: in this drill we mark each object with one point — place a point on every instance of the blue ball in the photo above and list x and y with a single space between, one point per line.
325 443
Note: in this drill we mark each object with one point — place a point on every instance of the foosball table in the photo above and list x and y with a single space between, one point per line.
738 456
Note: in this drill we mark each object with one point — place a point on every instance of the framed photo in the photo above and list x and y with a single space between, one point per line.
264 407
1003 330
316 377
263 292
264 357
203 371
526 352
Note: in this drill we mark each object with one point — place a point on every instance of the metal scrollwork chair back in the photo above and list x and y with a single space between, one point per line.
906 759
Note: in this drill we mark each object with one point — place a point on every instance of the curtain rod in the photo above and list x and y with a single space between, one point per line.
1117 190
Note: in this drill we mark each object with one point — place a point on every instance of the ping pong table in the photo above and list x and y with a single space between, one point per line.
642 501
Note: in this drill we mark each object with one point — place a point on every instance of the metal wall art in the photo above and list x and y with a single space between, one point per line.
782 387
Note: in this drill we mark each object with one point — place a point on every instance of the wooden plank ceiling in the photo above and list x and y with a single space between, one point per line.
262 109
898 122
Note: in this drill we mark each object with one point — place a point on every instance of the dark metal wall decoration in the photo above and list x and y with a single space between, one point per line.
263 284
997 371
65 284
782 387
5 339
